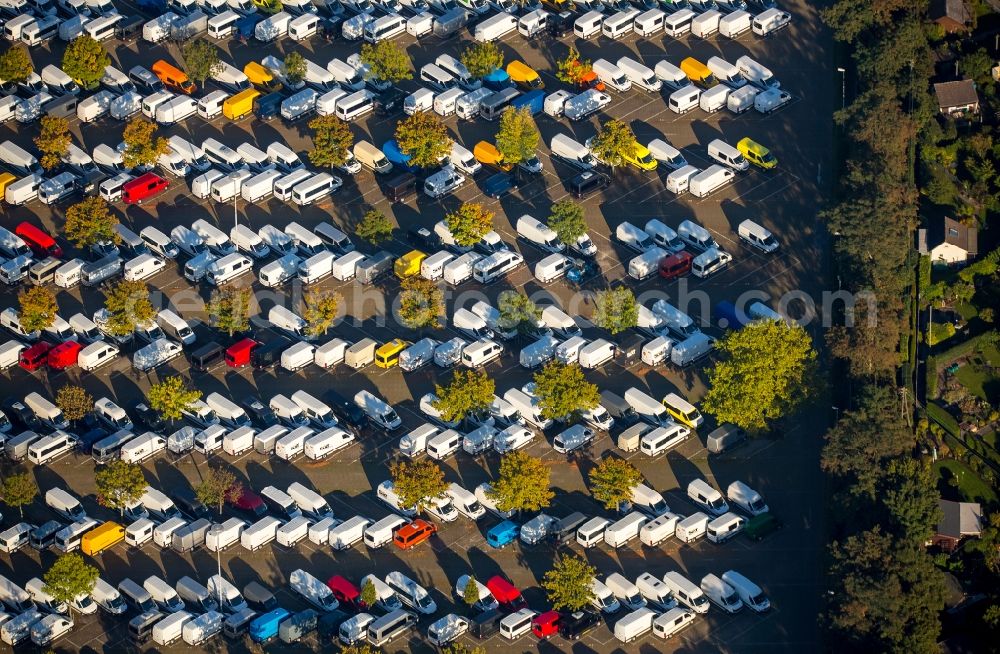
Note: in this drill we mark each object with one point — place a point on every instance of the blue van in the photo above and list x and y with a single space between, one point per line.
534 100
266 626
392 152
498 80
502 534
245 27
268 106
89 437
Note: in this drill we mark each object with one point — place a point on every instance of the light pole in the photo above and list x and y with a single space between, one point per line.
843 86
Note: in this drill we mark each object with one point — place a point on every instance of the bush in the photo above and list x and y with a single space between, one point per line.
940 332
932 377
940 415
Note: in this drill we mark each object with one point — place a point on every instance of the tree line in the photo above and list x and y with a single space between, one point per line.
885 594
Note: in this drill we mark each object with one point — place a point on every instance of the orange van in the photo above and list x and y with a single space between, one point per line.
174 78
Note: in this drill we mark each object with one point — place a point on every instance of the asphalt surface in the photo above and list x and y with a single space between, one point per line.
782 467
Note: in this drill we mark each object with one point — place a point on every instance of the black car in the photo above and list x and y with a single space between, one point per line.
389 102
560 24
20 415
260 414
424 239
259 597
148 418
498 185
588 183
190 505
573 626
346 410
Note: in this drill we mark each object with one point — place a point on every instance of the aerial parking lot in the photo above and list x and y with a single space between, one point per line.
782 465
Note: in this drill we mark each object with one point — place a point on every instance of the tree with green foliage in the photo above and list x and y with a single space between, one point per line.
911 499
615 309
119 484
53 141
469 393
321 310
481 59
89 222
518 312
359 649
563 392
566 220
85 59
374 227
568 583
19 490
332 141
886 594
424 138
68 578
523 483
37 308
470 594
171 397
201 59
615 140
74 401
976 66
295 68
571 68
417 482
229 309
768 369
612 481
128 304
15 65
517 136
459 647
218 485
421 303
386 61
469 223
369 595
142 146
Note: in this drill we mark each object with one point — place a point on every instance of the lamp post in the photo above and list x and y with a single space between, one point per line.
843 86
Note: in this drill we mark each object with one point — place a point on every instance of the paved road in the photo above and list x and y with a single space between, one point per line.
783 468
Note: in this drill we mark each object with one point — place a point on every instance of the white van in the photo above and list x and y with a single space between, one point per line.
228 268
678 23
749 593
710 262
315 188
619 24
612 76
640 74
480 353
727 155
671 622
684 99
355 105
686 591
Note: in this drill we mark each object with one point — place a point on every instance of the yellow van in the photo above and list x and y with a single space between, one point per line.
487 154
101 538
524 76
6 179
240 105
408 265
261 77
642 158
682 411
387 356
756 153
699 74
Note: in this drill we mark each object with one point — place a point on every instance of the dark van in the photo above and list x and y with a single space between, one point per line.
400 187
204 357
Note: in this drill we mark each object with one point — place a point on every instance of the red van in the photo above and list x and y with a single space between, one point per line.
64 355
676 265
345 591
413 534
143 187
546 624
42 245
238 354
507 594
35 356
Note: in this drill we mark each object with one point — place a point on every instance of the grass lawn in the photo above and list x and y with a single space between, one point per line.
971 488
991 353
966 310
974 378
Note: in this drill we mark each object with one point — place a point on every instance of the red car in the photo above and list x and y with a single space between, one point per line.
507 594
35 356
249 502
676 265
546 624
345 591
143 187
238 354
42 245
64 355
